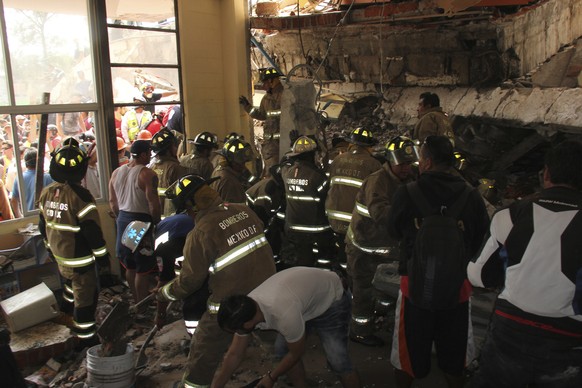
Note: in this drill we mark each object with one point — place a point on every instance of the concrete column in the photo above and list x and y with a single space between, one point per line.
214 51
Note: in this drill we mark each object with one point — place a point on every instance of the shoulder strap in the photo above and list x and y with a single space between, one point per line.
419 199
456 208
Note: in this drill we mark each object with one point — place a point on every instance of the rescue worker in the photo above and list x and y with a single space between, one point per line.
367 241
148 95
134 120
269 111
166 166
69 222
170 238
267 198
144 134
121 151
228 246
198 163
133 196
347 172
232 171
431 119
306 225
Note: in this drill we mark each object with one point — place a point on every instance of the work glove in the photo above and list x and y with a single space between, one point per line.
244 102
293 135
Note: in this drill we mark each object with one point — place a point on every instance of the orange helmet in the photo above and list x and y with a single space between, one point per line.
121 144
144 134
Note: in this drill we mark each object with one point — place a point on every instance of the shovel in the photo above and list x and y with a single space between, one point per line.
142 359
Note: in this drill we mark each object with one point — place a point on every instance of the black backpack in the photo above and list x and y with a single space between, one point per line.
437 268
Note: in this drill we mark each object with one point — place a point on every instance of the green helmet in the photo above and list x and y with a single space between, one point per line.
401 149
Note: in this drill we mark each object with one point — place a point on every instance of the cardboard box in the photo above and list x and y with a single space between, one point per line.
29 308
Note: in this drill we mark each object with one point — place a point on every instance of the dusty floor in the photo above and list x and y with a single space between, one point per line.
373 364
166 358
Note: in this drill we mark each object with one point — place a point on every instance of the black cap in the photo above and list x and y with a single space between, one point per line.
140 146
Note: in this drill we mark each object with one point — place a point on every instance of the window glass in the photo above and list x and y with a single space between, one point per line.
131 82
21 142
142 47
4 94
157 14
50 51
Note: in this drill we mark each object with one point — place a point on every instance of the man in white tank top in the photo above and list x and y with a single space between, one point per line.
133 196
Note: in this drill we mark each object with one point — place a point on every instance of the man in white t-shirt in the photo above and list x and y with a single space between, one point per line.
291 302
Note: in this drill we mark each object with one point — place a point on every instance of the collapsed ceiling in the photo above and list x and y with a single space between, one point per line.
508 72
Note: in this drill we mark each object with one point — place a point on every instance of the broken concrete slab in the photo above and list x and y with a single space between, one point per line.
35 345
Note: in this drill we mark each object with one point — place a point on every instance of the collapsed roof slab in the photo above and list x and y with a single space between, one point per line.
456 53
544 110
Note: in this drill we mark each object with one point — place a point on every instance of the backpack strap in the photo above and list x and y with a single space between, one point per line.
426 210
419 199
455 209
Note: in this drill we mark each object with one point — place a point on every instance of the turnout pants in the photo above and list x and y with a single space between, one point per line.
361 269
81 290
207 348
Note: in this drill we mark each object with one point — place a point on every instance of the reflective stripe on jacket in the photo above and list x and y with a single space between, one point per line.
347 173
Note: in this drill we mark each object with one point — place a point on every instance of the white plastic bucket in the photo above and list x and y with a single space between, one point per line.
110 372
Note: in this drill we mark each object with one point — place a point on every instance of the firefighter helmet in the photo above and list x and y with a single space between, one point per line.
401 149
163 140
233 135
181 192
206 139
144 134
68 164
303 145
362 137
268 73
237 151
460 161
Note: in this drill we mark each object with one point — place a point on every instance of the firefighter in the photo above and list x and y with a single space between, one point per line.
233 172
198 163
166 166
121 151
269 111
347 172
267 199
170 238
70 225
367 242
306 225
228 246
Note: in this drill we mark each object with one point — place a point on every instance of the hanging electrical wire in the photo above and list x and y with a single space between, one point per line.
340 23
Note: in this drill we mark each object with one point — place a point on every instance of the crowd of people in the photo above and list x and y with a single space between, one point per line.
296 249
